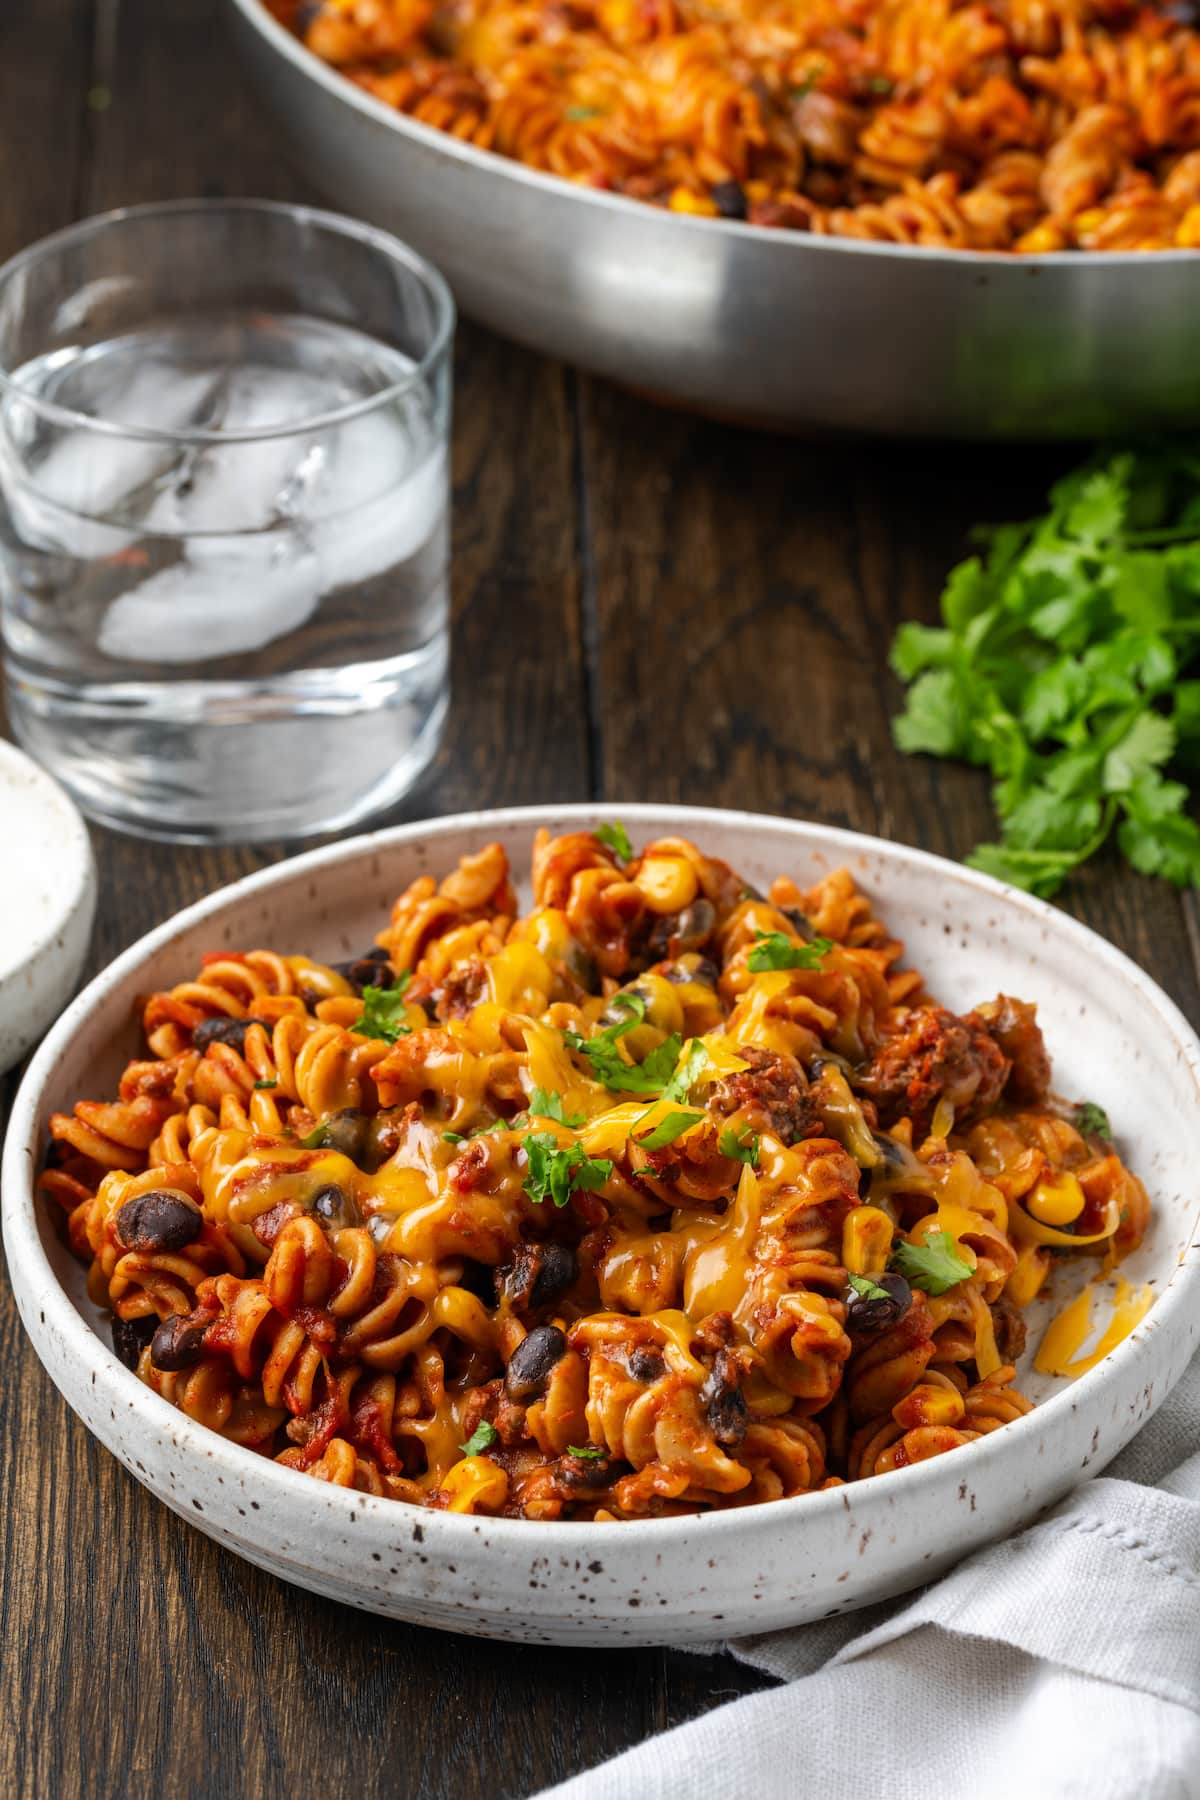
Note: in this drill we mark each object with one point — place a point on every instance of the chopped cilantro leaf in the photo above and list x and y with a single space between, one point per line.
775 950
584 1450
555 1173
611 1068
453 1137
615 837
266 1084
673 1125
317 1138
382 1014
688 1073
934 1265
1092 1120
743 1149
481 1439
867 1289
550 1106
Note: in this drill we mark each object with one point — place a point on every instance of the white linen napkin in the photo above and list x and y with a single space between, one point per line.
1063 1662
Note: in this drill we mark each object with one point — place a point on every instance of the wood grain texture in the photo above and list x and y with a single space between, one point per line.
646 606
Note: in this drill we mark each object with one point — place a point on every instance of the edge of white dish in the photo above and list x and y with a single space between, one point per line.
53 879
661 1580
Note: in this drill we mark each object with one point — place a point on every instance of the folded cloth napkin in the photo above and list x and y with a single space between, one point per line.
1063 1662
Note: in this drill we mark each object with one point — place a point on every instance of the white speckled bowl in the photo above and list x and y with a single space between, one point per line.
50 901
1115 1038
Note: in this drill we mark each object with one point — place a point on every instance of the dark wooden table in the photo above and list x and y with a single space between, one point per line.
645 607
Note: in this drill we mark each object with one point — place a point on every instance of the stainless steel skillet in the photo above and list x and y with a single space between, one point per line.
767 327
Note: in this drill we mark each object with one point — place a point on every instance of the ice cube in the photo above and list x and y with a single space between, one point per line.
60 502
246 485
370 537
245 593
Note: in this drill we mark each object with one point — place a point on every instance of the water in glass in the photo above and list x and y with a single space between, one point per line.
268 593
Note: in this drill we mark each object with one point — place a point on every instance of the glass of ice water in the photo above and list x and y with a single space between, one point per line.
223 530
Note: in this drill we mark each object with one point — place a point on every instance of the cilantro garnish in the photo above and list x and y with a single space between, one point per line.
382 1014
266 1084
615 837
934 1265
743 1148
668 1129
463 1137
1059 669
317 1138
555 1173
775 950
586 1451
550 1106
1092 1120
610 1067
690 1069
867 1289
576 113
481 1439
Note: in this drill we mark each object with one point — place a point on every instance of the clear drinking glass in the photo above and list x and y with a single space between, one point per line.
223 541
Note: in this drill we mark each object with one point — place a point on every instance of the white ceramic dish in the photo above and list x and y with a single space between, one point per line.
49 904
1115 1039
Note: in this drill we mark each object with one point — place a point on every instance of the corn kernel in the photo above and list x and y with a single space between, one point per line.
1056 1200
929 1404
666 883
684 201
1187 234
866 1241
1043 237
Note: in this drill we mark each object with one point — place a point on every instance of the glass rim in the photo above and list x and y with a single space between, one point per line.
392 247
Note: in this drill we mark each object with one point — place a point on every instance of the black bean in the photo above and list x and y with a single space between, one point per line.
729 198
645 1364
307 14
226 1031
587 1474
346 1132
727 1417
557 1269
159 1221
537 1275
800 921
130 1337
725 1404
178 1343
881 1311
334 1207
372 969
532 1361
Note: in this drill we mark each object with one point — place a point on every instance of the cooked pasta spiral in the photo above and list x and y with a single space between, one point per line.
1021 125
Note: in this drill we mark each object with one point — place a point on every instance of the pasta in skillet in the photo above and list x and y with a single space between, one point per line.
662 1196
1024 125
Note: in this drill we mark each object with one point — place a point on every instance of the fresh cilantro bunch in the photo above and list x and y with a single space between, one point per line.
1062 667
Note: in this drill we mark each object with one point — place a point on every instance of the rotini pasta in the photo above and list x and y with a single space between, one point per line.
662 1196
1021 125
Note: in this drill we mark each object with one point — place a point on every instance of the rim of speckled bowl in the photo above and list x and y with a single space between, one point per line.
290 1487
